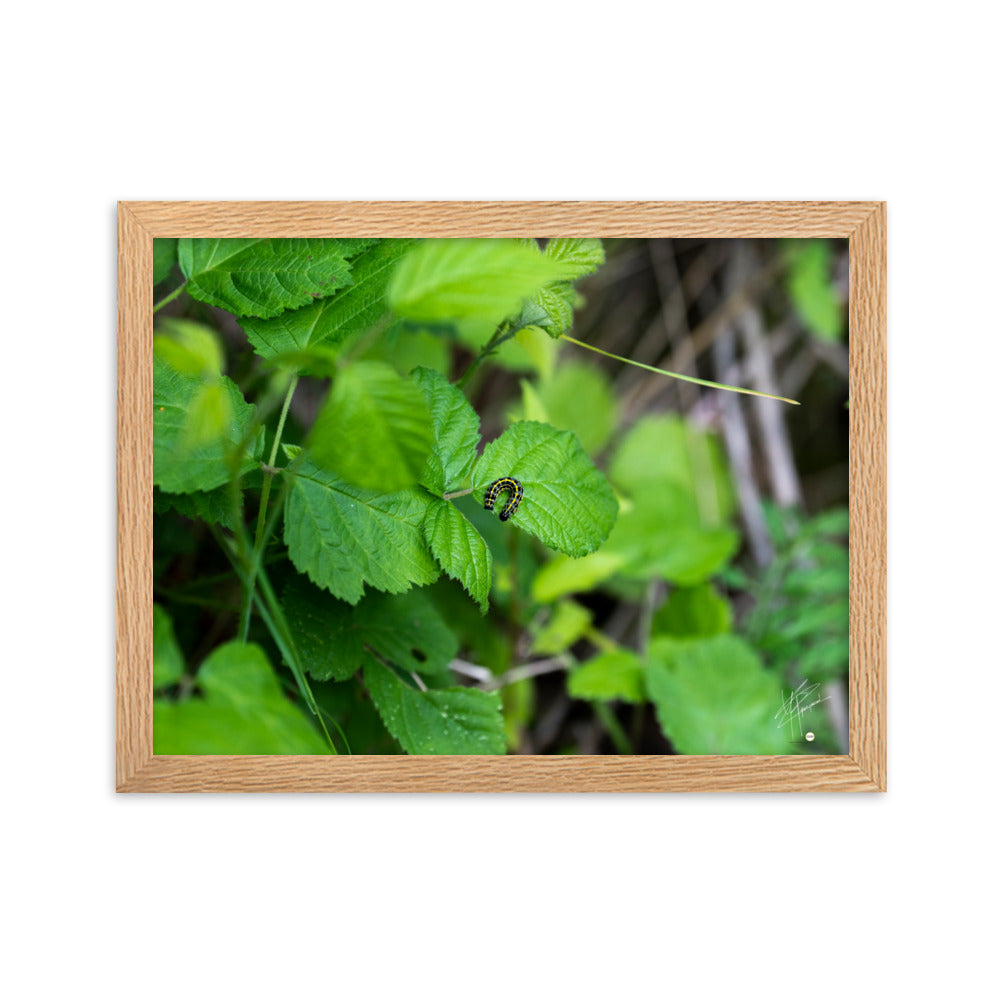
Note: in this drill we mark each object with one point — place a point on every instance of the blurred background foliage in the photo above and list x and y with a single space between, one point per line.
714 619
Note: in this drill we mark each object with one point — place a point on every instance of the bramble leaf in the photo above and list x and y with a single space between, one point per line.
211 506
565 575
568 623
344 537
456 432
263 277
346 312
811 287
609 677
374 430
568 504
661 534
185 457
331 636
440 721
668 451
481 279
576 256
188 347
579 398
693 613
460 550
714 696
243 711
551 308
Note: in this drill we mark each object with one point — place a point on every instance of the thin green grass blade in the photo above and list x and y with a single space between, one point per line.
683 378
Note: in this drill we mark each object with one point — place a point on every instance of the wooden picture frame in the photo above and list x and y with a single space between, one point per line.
863 768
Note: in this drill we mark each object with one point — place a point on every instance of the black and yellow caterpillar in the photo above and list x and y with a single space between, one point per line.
515 493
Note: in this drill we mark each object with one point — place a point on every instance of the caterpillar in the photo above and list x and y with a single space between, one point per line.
514 490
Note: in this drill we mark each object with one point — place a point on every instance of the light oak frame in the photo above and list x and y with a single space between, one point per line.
863 768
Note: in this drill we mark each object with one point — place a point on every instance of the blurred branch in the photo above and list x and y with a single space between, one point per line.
836 703
737 438
638 399
536 669
673 310
471 670
787 490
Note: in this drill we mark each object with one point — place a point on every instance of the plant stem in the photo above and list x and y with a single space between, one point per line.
502 333
269 475
514 604
289 686
457 493
683 378
613 727
169 298
274 619
260 537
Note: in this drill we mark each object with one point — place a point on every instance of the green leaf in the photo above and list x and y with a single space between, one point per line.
565 575
577 257
185 458
568 504
661 535
826 661
344 536
568 623
168 660
713 696
374 430
211 506
664 451
331 636
551 308
531 404
457 279
190 348
456 432
164 258
345 313
265 277
407 630
835 521
210 413
800 618
445 721
243 711
616 676
328 644
579 398
657 535
406 348
812 290
460 550
692 613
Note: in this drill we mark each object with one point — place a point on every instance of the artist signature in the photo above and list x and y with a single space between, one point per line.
795 705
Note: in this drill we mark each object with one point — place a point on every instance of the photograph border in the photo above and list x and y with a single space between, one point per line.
862 768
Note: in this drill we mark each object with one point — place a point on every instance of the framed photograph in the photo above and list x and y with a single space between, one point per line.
501 496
